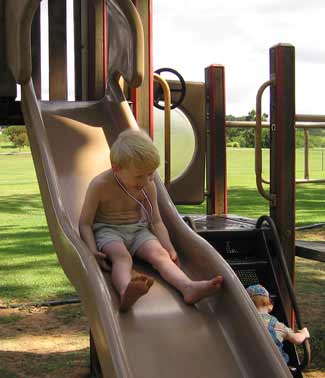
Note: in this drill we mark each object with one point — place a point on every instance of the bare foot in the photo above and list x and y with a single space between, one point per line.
137 287
198 290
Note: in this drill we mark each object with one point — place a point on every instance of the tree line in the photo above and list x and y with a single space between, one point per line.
245 137
236 137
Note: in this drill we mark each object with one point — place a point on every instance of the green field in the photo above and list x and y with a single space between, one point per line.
243 197
31 271
29 267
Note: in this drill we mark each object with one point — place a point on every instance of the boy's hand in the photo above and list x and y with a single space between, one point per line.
173 255
102 261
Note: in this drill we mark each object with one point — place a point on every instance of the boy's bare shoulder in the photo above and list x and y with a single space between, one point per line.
102 180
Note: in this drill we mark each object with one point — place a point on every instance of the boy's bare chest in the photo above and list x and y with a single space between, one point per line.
119 200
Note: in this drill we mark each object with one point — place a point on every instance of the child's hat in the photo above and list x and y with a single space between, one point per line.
255 290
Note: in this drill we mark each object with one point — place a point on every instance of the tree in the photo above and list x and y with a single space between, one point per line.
17 135
245 137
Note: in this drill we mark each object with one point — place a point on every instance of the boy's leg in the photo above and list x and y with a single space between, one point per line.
130 289
121 264
193 291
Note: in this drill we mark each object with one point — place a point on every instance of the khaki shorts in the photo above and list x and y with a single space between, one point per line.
131 235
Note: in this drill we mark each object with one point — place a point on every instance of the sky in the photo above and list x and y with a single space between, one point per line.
190 35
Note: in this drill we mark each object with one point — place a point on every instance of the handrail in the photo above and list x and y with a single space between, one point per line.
310 117
310 181
167 99
265 125
258 124
258 145
287 278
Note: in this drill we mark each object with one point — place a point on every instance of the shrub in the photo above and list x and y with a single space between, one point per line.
233 144
17 135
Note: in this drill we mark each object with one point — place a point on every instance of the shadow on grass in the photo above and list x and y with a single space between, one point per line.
18 241
17 204
7 147
31 270
21 293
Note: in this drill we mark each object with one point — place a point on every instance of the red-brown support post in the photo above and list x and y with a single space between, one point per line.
282 153
10 112
105 46
36 53
216 140
77 49
8 91
96 72
57 50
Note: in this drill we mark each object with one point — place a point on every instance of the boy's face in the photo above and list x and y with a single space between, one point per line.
134 178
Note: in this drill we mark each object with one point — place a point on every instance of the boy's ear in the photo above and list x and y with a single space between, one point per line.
115 168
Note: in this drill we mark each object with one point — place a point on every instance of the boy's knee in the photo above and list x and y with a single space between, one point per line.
160 255
123 257
117 253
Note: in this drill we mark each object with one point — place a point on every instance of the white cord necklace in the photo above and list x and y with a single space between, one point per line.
149 217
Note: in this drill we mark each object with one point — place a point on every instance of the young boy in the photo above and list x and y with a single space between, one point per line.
278 330
120 219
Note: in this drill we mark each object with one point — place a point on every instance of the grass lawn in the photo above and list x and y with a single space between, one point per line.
26 251
29 266
31 273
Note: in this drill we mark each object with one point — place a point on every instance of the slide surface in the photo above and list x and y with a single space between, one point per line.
160 336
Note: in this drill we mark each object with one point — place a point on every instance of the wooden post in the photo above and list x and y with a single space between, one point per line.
216 143
95 369
78 46
282 153
36 53
96 72
57 50
142 97
8 90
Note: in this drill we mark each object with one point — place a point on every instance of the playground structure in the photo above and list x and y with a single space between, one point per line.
69 142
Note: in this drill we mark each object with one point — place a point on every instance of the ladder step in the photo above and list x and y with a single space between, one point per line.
247 264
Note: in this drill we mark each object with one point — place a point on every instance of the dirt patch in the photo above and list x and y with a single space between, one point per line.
44 342
50 343
53 342
313 234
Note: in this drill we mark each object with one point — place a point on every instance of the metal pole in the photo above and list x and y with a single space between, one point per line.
306 155
167 100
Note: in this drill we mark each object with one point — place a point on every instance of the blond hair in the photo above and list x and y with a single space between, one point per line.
135 147
262 301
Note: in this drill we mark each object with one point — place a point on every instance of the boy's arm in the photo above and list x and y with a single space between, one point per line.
298 337
158 226
87 217
86 221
